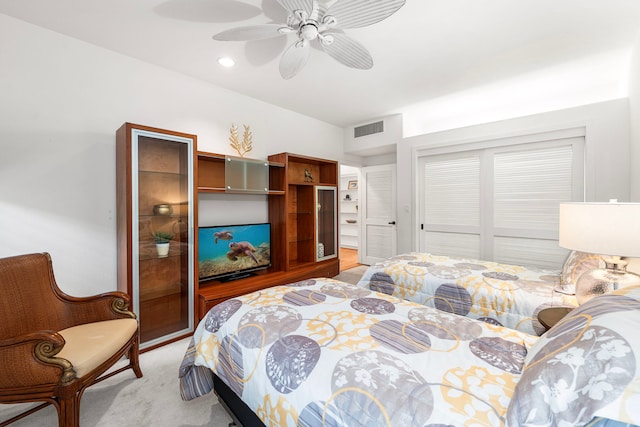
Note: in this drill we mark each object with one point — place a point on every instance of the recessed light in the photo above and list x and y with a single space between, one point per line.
226 61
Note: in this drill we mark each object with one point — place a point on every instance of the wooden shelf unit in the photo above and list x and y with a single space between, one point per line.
210 169
292 214
349 231
293 217
211 174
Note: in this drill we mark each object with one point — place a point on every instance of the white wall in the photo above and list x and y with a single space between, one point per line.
61 101
588 80
634 112
607 153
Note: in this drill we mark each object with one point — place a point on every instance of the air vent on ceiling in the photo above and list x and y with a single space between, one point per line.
368 129
378 135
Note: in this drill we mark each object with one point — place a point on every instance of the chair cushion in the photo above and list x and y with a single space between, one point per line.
89 345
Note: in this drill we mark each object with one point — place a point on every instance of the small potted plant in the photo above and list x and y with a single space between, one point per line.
162 239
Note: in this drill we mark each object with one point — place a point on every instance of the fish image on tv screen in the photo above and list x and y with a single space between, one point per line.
233 251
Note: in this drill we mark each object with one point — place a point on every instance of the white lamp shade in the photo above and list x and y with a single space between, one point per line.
611 229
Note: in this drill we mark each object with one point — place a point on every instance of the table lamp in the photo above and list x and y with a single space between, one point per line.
611 230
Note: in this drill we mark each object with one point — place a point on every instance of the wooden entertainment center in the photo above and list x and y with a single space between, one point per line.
160 174
302 198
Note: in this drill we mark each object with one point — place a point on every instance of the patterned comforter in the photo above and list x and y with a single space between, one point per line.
324 352
501 294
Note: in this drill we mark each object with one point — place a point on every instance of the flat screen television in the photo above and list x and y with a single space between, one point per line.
229 252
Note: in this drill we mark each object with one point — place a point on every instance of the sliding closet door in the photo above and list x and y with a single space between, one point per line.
450 204
529 183
500 202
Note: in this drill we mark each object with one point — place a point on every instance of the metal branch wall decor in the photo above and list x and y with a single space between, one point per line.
241 147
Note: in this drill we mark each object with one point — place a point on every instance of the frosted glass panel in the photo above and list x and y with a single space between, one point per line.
378 241
530 252
529 185
246 175
453 244
452 191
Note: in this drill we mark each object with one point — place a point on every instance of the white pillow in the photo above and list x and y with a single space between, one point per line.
586 366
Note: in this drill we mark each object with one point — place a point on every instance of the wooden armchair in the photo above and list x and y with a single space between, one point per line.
52 345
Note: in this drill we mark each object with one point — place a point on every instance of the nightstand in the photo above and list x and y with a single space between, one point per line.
552 315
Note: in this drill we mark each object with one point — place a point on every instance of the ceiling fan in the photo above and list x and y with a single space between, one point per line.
323 21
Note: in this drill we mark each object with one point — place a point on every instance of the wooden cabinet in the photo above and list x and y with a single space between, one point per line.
303 215
294 216
218 173
155 195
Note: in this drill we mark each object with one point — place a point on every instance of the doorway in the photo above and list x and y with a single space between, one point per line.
349 225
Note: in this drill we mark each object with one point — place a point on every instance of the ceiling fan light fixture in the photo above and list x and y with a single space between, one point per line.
308 32
309 20
226 62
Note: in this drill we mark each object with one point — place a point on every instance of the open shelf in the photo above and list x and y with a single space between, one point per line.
210 172
348 211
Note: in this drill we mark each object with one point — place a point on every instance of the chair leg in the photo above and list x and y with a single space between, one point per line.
68 411
134 358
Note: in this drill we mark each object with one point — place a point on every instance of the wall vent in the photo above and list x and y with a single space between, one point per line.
378 135
369 129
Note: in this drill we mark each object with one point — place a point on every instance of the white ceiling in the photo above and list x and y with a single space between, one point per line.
428 49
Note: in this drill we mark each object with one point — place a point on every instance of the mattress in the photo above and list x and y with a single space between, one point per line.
499 294
324 352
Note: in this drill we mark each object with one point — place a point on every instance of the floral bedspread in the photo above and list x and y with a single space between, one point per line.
501 294
324 352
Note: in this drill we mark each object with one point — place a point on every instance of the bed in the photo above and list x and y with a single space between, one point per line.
501 294
326 353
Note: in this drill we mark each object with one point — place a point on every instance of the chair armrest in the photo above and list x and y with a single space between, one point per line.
96 308
29 360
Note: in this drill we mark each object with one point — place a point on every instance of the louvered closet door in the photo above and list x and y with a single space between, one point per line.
528 186
450 204
379 238
500 203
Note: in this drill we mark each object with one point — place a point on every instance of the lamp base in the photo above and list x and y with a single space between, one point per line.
603 280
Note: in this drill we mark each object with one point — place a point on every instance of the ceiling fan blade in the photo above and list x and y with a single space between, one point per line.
360 13
293 59
292 5
347 51
252 32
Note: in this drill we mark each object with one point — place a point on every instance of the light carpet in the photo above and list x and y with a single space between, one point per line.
124 400
352 275
153 400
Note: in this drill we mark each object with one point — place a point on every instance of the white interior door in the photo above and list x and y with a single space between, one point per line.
378 216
